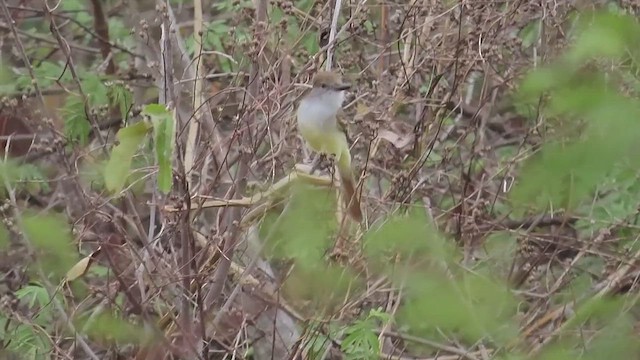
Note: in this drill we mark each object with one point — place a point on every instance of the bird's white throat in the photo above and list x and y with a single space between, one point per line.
318 109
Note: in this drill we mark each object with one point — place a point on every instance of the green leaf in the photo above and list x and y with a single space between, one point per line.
22 176
120 96
117 169
164 134
501 248
474 307
530 33
304 231
94 88
34 295
616 341
317 344
323 286
563 174
361 340
106 326
76 123
79 11
605 35
413 237
46 73
51 236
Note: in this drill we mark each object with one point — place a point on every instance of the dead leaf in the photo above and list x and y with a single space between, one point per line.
399 141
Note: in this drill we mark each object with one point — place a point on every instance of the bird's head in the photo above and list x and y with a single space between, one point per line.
330 81
324 99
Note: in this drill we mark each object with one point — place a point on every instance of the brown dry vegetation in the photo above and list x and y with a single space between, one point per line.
434 129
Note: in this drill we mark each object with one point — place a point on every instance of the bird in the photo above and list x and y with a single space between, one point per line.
317 121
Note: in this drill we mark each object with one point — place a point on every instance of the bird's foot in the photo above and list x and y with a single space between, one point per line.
315 164
323 161
331 159
331 162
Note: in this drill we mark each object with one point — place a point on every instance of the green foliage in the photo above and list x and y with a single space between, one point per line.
614 335
24 339
323 287
500 250
7 78
121 97
216 36
472 306
617 340
117 169
30 338
360 340
79 10
318 341
163 137
109 327
35 295
50 235
46 73
530 34
76 123
304 231
21 177
224 6
308 39
413 238
600 127
120 34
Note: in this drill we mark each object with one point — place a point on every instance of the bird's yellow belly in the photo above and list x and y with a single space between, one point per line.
323 141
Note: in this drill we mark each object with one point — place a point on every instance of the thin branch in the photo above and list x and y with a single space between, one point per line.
207 121
23 53
234 217
102 29
332 34
66 50
192 136
50 41
43 277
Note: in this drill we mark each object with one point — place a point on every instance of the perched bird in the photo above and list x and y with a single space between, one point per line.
318 125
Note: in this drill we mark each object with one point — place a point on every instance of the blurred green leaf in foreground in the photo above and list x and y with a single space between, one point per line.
599 120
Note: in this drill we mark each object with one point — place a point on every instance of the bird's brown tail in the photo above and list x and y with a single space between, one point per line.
351 201
349 195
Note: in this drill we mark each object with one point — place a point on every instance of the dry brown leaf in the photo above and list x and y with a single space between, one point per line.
398 140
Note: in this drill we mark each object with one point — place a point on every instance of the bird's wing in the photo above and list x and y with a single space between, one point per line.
342 124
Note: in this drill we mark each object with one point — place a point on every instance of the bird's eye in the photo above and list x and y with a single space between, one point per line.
323 85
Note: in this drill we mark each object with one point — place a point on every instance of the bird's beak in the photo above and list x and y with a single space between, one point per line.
342 86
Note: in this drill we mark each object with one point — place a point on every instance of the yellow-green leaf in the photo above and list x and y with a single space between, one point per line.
117 169
163 135
81 267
